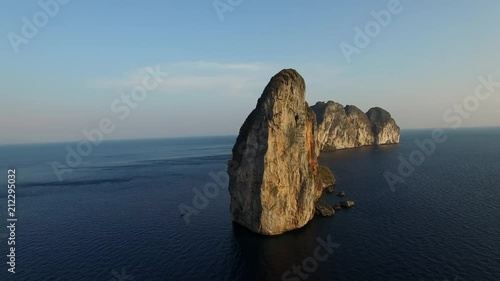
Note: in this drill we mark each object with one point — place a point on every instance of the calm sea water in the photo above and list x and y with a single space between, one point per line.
116 216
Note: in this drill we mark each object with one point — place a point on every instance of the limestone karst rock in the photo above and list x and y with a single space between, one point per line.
324 209
326 178
347 204
384 127
342 127
273 173
358 122
274 178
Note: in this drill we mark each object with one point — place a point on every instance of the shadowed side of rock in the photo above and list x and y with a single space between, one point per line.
384 127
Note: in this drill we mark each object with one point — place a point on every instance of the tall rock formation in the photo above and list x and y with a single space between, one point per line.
384 127
274 178
358 122
342 127
273 173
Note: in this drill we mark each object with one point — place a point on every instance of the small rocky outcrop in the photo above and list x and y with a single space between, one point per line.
322 208
326 178
342 127
347 204
341 194
273 173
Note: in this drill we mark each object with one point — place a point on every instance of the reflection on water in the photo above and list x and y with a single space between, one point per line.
268 258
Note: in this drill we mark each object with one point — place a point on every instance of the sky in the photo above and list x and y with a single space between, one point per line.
85 56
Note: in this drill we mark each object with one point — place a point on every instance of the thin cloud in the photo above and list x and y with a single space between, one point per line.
246 80
197 78
208 65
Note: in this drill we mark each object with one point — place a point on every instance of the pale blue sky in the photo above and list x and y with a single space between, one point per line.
65 78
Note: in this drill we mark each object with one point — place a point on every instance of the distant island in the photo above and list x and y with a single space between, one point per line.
342 127
275 179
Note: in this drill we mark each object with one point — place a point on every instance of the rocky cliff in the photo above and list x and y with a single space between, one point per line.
342 127
273 173
384 127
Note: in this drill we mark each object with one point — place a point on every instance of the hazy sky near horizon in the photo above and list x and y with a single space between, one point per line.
65 79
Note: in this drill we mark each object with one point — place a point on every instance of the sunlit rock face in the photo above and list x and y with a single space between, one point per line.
342 127
273 172
274 178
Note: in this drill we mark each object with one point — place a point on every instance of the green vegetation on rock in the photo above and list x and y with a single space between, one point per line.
326 177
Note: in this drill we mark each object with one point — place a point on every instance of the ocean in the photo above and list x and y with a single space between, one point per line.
117 215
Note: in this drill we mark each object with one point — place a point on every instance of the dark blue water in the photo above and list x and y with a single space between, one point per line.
116 216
